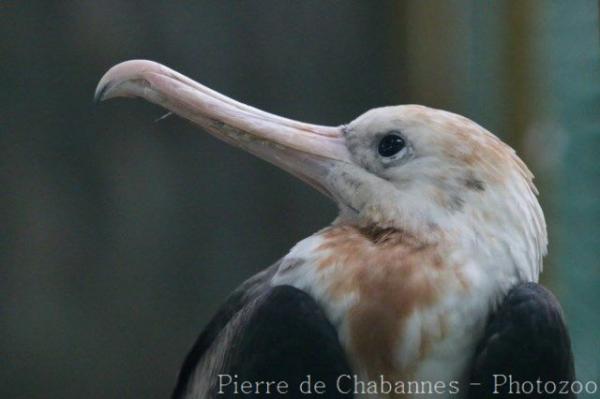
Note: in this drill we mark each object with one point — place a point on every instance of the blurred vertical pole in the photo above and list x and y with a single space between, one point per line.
566 138
524 91
455 52
436 53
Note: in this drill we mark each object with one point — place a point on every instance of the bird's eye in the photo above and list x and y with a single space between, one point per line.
390 145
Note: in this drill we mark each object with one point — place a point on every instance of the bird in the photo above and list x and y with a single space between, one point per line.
424 285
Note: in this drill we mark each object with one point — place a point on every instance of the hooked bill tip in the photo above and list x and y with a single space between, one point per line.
121 73
100 92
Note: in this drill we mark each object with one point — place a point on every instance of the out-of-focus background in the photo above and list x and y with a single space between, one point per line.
120 236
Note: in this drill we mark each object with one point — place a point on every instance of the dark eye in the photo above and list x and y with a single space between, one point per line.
391 144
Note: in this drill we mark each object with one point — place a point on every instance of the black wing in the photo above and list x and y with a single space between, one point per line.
265 334
526 340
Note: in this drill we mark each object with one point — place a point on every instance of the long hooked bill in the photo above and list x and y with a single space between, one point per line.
307 151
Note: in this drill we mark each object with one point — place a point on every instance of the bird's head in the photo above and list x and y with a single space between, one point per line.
430 173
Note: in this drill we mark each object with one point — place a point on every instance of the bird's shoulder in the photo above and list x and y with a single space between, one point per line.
263 333
235 302
525 340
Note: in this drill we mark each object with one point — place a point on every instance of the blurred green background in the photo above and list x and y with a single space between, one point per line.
120 236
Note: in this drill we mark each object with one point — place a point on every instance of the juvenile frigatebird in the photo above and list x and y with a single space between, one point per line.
425 285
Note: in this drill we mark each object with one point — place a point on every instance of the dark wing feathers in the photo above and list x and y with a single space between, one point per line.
526 339
288 338
240 298
274 334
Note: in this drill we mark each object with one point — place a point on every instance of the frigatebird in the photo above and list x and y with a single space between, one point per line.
425 285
